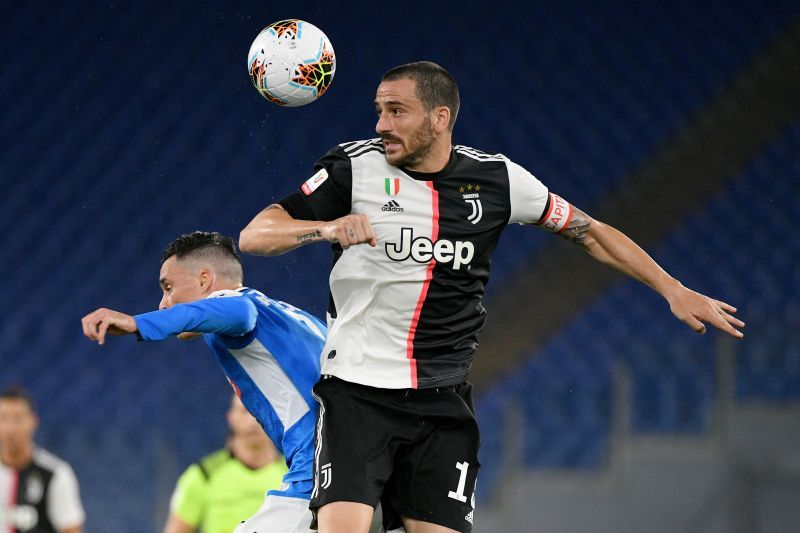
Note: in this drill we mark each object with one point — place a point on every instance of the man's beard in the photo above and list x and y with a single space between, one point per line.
422 138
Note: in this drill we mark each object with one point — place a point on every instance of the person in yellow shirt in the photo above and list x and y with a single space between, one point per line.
221 490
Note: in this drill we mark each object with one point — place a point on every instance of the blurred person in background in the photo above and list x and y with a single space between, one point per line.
223 489
38 491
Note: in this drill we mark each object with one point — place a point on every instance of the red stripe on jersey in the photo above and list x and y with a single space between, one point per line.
412 332
235 389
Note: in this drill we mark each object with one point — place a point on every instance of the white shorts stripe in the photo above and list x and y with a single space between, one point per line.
318 445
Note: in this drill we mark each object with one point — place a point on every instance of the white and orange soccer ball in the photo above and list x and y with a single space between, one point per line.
291 63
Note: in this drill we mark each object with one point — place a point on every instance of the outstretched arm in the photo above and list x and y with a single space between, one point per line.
612 247
273 232
231 316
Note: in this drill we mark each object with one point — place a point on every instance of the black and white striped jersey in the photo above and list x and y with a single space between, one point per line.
406 314
40 498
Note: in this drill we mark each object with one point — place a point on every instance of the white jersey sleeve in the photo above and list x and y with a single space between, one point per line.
528 195
64 506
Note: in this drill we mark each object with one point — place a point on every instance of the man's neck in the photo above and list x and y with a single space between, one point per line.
253 455
437 159
224 286
18 457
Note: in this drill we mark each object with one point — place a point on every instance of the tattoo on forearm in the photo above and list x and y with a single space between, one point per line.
309 236
578 226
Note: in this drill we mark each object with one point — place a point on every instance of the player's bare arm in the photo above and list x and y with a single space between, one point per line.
107 321
273 232
176 525
577 227
612 247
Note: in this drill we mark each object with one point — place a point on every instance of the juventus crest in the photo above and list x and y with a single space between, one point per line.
471 195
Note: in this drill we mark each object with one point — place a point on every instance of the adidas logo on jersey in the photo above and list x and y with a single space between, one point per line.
393 206
468 518
422 250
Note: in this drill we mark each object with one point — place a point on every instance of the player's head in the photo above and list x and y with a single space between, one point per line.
244 426
433 86
417 105
197 264
18 420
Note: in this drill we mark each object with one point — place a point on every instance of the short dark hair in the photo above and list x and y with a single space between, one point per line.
16 392
206 245
435 86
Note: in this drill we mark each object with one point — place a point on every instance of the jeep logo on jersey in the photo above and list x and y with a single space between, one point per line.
422 250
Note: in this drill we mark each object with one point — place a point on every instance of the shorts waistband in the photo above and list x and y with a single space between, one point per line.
406 392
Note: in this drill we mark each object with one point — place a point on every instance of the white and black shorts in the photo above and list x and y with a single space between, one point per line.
413 450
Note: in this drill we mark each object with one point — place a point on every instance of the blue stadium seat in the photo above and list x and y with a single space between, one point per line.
565 388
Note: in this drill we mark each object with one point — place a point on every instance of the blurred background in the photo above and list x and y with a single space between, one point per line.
125 124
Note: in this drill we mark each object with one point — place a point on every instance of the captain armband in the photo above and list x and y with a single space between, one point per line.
558 215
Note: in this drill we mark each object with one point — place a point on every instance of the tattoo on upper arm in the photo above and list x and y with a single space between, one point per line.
565 219
309 236
577 227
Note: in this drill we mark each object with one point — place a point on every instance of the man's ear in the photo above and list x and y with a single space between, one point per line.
441 119
205 278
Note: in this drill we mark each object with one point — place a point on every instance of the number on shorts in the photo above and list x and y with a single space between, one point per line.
462 481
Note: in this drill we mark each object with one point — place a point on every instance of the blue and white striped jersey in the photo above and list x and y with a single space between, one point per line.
270 351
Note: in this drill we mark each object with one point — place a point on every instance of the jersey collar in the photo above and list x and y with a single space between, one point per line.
433 176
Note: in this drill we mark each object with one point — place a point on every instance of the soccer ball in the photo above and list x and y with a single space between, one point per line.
291 63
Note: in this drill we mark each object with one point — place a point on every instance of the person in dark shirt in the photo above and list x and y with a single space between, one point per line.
38 491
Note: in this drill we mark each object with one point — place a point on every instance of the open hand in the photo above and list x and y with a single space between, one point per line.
694 309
